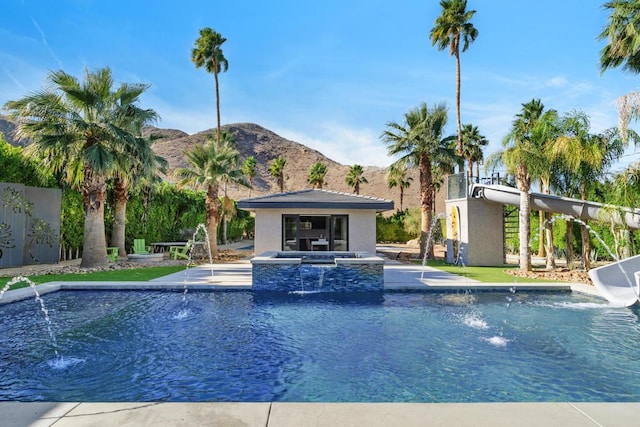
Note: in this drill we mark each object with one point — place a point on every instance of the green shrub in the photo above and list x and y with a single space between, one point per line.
392 229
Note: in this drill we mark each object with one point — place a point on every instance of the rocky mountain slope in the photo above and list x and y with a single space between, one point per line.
265 146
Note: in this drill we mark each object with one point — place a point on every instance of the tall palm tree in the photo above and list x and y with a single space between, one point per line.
249 169
472 144
586 158
227 205
518 158
543 167
419 142
451 28
76 128
527 120
355 177
397 177
276 170
208 53
317 174
138 161
136 167
210 165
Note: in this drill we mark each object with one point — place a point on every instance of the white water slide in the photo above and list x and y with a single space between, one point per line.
618 281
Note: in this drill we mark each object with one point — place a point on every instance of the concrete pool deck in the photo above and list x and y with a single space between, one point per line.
237 275
283 414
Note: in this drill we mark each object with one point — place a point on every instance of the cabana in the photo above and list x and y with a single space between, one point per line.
315 220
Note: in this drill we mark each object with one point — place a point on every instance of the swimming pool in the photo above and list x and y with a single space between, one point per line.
335 347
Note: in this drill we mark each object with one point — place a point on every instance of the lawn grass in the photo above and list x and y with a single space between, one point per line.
483 274
131 275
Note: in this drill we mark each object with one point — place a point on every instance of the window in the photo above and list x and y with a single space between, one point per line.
315 233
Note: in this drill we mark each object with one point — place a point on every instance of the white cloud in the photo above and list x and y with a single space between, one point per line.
46 44
343 144
557 82
185 118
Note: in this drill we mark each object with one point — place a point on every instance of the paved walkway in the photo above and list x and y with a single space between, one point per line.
282 414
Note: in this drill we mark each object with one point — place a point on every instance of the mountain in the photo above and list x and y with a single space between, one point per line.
7 129
265 146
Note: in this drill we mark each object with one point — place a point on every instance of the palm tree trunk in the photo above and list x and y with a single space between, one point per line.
586 247
568 238
213 216
215 76
541 226
585 237
457 54
470 171
525 260
94 250
548 228
426 204
121 196
401 197
522 181
224 230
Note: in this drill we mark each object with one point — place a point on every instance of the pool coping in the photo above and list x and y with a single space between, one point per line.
237 276
294 414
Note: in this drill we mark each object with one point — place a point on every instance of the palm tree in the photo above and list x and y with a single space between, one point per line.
276 170
397 177
355 177
518 158
622 34
138 167
76 128
249 170
208 53
211 165
543 167
316 176
452 27
472 143
227 205
420 144
625 192
137 162
586 157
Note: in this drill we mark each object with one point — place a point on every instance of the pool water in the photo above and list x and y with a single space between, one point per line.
363 347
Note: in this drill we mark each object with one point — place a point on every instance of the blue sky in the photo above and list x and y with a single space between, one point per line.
329 74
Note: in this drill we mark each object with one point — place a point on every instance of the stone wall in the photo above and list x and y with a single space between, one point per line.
342 275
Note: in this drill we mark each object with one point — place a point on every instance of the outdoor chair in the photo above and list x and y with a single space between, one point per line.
176 252
139 247
112 254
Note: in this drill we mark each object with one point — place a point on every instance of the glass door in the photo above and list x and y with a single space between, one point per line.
339 233
290 238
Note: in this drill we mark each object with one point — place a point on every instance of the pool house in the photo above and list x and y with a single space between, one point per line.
315 220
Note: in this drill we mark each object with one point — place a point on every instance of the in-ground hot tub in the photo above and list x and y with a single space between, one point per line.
317 272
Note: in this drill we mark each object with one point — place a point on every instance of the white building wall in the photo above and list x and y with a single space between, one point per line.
481 240
268 234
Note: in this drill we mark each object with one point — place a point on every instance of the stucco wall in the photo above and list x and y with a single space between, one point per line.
481 239
362 227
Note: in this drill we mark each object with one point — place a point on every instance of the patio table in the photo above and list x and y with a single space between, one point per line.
164 246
